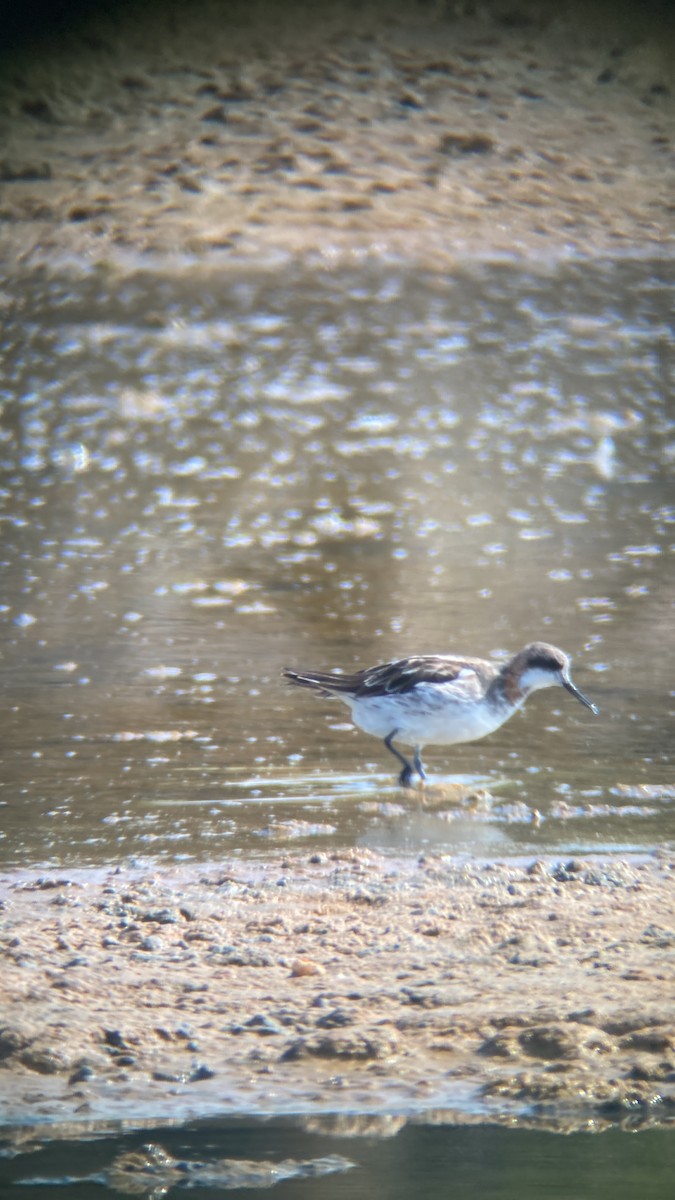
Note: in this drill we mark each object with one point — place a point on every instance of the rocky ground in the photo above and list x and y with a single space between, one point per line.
346 982
263 132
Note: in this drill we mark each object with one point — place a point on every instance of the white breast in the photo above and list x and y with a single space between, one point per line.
432 714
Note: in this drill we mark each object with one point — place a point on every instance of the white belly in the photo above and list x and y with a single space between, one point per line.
431 715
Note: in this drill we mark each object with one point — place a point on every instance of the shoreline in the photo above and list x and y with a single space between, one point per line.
539 991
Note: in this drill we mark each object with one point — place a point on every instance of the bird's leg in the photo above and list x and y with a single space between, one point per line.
405 778
417 760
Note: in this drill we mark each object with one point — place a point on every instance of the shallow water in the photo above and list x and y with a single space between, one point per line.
309 1160
205 480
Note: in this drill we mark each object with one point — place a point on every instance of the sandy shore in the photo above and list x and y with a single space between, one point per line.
342 983
337 132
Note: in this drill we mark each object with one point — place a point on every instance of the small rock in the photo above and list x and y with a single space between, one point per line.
162 916
81 1075
12 172
200 1073
44 1060
653 1041
336 1019
113 1038
150 943
549 1042
184 1032
305 966
262 1024
216 115
13 1040
655 935
242 958
359 1046
466 143
501 1045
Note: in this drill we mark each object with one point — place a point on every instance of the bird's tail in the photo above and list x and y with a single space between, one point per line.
320 681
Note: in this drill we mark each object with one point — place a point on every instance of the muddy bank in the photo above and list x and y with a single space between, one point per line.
349 984
260 133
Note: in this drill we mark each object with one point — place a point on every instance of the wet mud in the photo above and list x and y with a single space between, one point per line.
269 131
342 983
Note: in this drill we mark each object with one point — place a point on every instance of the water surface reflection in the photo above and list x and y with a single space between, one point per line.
347 1157
204 481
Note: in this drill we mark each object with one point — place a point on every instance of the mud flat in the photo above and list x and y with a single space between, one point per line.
348 984
265 132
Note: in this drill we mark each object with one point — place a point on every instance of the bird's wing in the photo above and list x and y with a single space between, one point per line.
405 674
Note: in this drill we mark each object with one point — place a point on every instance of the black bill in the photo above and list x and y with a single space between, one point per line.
574 691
